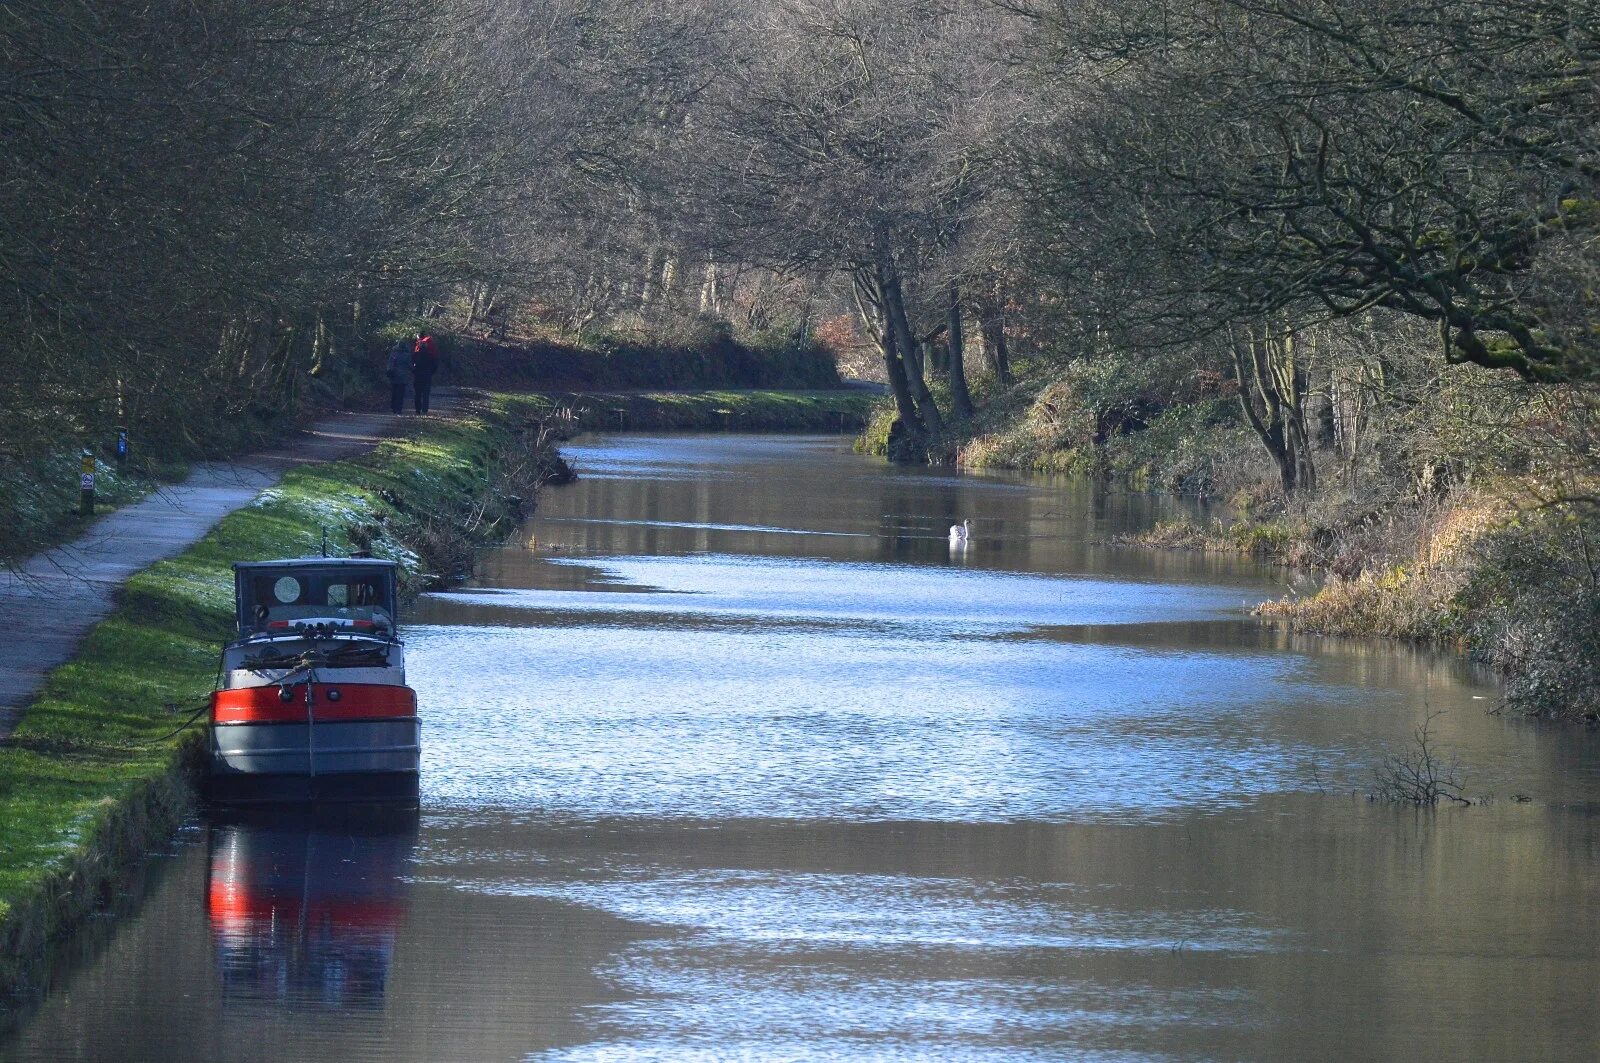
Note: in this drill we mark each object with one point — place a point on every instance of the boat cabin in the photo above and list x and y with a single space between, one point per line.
316 595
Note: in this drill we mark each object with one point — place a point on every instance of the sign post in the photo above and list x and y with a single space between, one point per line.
86 486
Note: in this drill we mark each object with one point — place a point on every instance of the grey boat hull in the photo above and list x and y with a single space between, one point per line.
362 757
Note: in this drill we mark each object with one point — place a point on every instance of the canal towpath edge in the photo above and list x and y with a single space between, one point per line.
49 603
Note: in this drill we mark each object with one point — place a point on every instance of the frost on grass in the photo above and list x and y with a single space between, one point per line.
347 505
201 587
391 549
72 834
338 512
324 511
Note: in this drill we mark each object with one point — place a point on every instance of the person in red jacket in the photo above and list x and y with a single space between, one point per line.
424 363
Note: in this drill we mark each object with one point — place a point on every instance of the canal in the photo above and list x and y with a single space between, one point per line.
733 757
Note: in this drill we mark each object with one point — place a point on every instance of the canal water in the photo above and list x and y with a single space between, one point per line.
733 757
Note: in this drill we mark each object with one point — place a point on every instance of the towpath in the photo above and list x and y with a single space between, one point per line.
49 603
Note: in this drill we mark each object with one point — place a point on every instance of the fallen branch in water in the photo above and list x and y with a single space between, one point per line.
1417 775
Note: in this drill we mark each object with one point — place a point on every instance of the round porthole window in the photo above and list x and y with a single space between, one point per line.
286 590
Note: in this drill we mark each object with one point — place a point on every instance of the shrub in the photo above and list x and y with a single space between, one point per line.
1534 601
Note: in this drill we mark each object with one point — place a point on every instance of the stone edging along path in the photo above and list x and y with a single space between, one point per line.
49 603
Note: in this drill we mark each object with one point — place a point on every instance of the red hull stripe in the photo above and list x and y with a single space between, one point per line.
331 702
233 906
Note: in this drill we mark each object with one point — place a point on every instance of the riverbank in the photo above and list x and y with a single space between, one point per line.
1476 569
99 768
1443 526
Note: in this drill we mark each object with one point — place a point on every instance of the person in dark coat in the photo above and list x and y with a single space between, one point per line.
399 368
424 363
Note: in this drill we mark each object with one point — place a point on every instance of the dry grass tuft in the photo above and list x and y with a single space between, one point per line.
1412 599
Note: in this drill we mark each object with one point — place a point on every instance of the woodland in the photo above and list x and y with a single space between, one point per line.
1332 263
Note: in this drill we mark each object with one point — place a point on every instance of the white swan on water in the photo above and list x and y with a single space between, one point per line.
959 532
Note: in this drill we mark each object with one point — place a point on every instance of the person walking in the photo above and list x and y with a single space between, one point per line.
399 369
424 363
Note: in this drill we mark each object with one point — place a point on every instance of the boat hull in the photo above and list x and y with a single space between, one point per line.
314 741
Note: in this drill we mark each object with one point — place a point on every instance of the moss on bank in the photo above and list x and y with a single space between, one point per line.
93 773
1272 540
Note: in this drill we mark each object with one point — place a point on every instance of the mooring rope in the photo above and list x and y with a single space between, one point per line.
176 730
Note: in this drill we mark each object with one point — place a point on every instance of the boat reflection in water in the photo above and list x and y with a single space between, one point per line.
305 905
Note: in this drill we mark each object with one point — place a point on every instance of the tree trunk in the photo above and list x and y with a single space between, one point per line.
876 321
1327 419
991 325
893 298
960 399
669 281
1272 393
321 344
1350 386
711 291
654 263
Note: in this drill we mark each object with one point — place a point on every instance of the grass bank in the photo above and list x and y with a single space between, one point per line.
94 774
713 411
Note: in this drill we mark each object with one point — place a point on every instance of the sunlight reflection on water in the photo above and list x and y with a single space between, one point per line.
742 762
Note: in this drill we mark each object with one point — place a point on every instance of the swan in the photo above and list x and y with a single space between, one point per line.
959 532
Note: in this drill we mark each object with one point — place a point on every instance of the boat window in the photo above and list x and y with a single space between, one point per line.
272 600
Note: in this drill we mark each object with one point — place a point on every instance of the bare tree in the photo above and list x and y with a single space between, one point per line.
842 137
214 203
1433 159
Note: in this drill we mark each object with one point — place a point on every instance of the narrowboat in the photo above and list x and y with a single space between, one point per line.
312 701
